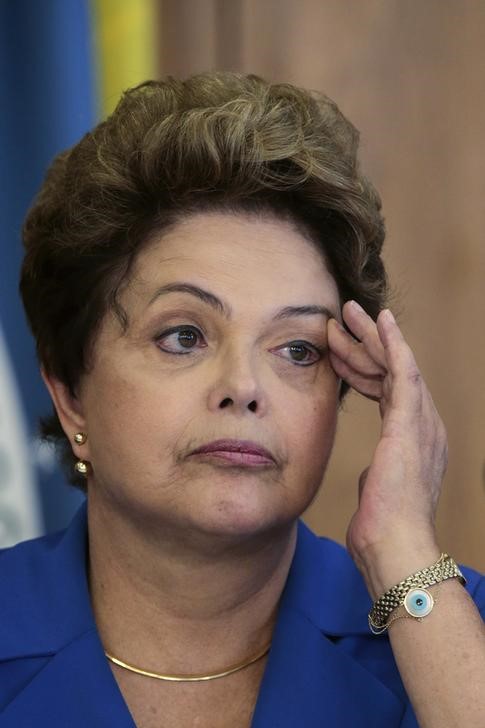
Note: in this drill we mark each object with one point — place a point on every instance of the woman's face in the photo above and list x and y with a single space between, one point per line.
226 340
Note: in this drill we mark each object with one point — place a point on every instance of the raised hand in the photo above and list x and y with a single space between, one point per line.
392 532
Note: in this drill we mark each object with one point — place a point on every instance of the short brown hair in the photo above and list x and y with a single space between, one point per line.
216 141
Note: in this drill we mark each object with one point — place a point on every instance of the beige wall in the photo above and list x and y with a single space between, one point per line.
410 75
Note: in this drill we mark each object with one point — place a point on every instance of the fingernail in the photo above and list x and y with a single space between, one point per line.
389 316
356 306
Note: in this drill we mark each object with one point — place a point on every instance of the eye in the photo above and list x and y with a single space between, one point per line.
179 340
301 353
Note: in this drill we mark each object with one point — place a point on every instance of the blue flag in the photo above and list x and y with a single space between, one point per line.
47 103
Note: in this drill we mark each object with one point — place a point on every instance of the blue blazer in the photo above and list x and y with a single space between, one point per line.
324 667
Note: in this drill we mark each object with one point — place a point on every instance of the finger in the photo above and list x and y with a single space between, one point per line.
369 386
351 351
407 384
365 330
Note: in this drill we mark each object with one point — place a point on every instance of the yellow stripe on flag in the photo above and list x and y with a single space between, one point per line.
124 35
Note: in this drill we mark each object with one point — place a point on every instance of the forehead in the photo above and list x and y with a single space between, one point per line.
247 258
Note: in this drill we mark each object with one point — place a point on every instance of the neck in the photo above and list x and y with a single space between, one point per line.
179 604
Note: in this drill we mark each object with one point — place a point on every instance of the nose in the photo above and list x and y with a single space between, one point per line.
237 386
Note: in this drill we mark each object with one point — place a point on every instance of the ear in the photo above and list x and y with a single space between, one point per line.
69 410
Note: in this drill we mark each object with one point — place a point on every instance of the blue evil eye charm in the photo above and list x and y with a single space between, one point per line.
418 602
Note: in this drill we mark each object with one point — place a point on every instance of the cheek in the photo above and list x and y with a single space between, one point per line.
313 431
131 422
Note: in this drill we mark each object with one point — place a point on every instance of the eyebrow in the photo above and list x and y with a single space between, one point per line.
222 308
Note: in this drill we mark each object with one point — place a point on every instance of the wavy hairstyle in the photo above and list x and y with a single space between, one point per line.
215 141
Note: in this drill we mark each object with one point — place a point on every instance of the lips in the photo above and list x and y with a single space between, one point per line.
243 451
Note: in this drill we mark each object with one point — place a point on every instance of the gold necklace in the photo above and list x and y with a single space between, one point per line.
190 678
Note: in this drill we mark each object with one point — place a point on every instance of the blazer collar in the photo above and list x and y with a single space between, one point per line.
48 601
324 584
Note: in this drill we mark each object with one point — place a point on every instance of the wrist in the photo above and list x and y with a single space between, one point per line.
387 566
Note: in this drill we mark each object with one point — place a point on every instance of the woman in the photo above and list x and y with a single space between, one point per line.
193 274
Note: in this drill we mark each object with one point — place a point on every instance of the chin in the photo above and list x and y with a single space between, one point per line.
242 513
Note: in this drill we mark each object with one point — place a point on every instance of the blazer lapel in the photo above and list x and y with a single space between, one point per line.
75 688
310 682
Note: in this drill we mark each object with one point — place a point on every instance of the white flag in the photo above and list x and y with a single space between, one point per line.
20 516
